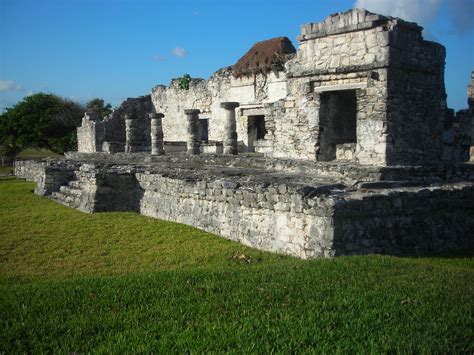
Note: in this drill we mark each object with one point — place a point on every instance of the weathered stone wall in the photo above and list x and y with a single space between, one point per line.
396 77
49 176
416 103
406 221
308 223
347 51
207 95
275 212
91 134
268 218
95 130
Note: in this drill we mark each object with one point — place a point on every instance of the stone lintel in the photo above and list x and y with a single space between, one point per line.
192 111
353 86
129 116
229 105
156 115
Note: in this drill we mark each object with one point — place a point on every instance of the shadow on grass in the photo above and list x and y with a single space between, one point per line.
453 254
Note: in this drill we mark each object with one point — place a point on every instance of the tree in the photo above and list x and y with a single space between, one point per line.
41 121
99 106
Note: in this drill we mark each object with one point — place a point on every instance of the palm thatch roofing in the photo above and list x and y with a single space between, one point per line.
264 56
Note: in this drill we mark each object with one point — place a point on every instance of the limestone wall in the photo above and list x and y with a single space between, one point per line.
90 135
352 39
206 95
284 216
398 79
95 130
416 103
381 64
347 51
270 218
48 176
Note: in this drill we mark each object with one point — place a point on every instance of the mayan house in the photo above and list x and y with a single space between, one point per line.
361 87
342 146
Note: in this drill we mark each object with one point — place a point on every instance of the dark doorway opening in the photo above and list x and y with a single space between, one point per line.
337 122
203 129
256 130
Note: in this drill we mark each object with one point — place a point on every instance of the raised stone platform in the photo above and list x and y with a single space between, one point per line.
303 208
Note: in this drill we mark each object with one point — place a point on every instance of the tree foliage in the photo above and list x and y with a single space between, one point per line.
184 81
99 106
41 121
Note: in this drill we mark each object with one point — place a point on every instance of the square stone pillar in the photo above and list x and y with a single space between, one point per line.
192 117
230 127
156 133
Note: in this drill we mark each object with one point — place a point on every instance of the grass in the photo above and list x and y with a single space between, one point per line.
5 170
36 154
29 154
120 282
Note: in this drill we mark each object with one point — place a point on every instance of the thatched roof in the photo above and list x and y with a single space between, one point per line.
264 56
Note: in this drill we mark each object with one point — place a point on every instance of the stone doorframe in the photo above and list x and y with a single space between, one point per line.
243 122
318 91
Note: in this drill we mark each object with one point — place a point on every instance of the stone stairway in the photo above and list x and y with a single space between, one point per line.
77 192
69 195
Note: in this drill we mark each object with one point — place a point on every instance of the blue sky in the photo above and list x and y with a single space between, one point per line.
114 49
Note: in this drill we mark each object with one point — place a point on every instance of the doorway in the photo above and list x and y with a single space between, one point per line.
337 122
203 129
256 130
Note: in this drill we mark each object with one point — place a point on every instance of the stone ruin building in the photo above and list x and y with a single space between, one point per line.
344 146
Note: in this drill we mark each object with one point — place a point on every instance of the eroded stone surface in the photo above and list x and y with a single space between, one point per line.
281 206
348 148
394 78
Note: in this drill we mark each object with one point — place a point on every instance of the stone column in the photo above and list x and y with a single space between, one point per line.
131 131
230 127
192 116
156 134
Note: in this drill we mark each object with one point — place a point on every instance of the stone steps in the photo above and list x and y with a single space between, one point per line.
75 184
69 195
65 199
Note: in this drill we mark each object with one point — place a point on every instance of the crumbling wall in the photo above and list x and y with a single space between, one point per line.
96 130
48 176
308 222
172 101
283 215
206 95
348 51
399 83
416 103
90 135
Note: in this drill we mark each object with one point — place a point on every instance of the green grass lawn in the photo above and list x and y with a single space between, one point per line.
36 154
5 170
29 154
120 282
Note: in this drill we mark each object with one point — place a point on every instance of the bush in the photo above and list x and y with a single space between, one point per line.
41 121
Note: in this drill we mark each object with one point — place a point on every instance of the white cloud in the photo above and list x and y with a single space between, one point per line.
9 85
419 11
179 52
158 58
